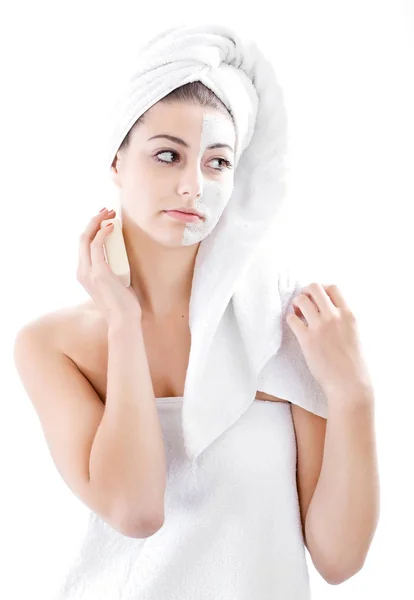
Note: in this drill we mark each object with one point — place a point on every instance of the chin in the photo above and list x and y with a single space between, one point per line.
167 239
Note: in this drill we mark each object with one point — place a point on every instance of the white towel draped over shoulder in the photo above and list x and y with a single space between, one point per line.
240 342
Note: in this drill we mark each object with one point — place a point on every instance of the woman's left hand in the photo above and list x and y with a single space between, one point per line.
329 340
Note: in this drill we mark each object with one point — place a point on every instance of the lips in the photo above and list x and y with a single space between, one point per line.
183 212
182 216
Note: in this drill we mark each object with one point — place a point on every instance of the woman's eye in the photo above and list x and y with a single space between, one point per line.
227 163
164 152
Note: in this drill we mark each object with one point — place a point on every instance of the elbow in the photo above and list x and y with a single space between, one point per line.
140 528
336 576
338 570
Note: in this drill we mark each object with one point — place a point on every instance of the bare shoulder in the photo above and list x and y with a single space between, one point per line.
79 333
66 329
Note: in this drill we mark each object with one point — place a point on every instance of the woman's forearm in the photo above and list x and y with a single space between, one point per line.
127 460
344 510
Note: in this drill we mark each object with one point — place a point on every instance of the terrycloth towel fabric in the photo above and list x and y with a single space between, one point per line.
232 528
241 288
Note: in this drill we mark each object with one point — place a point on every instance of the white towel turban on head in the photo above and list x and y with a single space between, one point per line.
180 56
240 290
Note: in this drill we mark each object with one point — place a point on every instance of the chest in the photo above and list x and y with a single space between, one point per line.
168 349
167 345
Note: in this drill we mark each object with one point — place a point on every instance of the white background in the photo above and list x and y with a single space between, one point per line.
347 73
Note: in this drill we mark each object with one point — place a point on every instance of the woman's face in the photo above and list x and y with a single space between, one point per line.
157 175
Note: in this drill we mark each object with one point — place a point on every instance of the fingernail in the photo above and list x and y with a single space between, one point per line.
102 209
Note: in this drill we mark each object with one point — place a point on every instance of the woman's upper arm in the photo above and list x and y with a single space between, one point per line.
310 432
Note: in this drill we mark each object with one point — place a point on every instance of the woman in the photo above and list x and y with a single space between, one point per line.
148 399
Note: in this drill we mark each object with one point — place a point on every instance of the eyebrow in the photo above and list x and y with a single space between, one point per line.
178 140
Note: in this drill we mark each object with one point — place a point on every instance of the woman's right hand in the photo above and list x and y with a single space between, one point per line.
116 302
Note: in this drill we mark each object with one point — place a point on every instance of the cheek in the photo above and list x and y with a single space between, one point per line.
215 198
143 186
214 201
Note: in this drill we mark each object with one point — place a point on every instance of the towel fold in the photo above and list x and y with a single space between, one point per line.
241 287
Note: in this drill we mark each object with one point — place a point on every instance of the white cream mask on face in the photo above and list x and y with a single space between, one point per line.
216 193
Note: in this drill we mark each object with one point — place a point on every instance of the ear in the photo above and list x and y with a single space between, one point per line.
115 172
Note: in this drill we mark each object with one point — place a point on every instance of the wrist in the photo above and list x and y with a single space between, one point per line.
125 324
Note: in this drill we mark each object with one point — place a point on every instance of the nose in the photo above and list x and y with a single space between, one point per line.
191 180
